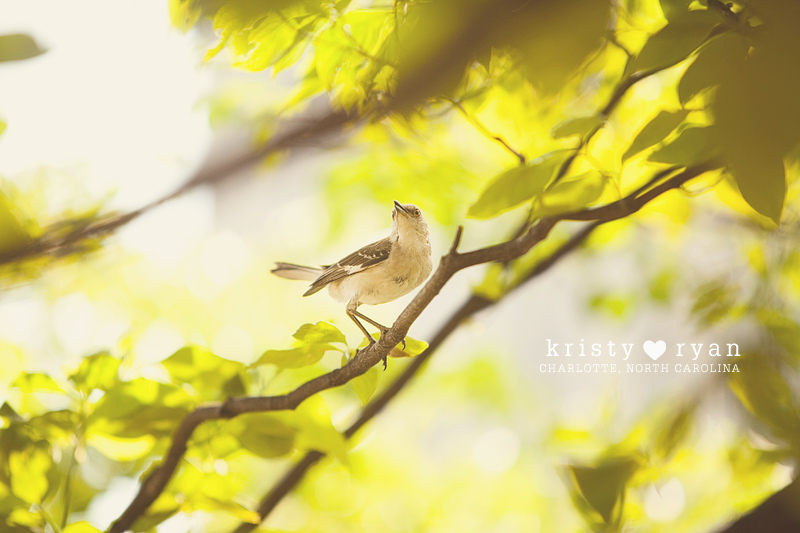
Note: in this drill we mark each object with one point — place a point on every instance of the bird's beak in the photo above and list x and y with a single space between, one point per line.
399 207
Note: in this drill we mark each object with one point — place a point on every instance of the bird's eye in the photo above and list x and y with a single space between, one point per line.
416 212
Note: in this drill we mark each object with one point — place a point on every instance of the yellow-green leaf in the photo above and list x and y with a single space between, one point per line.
517 185
18 46
365 385
319 333
655 131
675 41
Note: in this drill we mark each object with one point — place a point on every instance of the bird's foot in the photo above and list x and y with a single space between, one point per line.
384 331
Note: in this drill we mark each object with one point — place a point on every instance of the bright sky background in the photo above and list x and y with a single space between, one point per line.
117 91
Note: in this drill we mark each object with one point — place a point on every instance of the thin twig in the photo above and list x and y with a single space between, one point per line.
486 131
57 243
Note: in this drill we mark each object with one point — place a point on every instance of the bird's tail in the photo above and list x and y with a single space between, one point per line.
292 271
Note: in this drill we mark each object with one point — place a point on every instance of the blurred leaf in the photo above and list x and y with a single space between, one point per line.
184 14
762 181
17 46
603 486
517 185
315 431
12 231
263 434
212 376
661 286
237 511
121 449
675 41
674 8
80 527
765 393
756 115
365 385
98 371
617 306
495 282
28 469
149 520
55 424
573 194
655 131
132 409
713 61
578 126
36 382
714 301
3 126
693 145
674 431
555 38
785 331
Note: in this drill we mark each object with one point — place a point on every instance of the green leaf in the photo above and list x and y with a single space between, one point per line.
756 114
711 63
12 231
693 145
765 393
210 375
237 511
761 179
3 126
132 409
413 348
578 126
784 330
517 185
714 302
319 333
312 341
315 430
16 47
603 486
28 469
674 431
674 42
655 131
98 371
36 382
263 434
365 385
295 357
571 195
674 8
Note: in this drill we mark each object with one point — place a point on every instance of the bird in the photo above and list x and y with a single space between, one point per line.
377 273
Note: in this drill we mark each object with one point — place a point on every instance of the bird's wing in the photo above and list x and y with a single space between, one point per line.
360 260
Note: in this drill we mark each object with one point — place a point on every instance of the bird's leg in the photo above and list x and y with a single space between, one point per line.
383 329
352 314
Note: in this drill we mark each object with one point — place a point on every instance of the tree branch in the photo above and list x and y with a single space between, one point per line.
449 265
470 307
58 243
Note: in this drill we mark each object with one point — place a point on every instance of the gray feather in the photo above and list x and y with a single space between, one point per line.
360 260
292 271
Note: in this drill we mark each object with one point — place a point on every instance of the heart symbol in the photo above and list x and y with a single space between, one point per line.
654 350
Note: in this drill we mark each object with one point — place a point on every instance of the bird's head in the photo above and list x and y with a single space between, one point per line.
407 218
